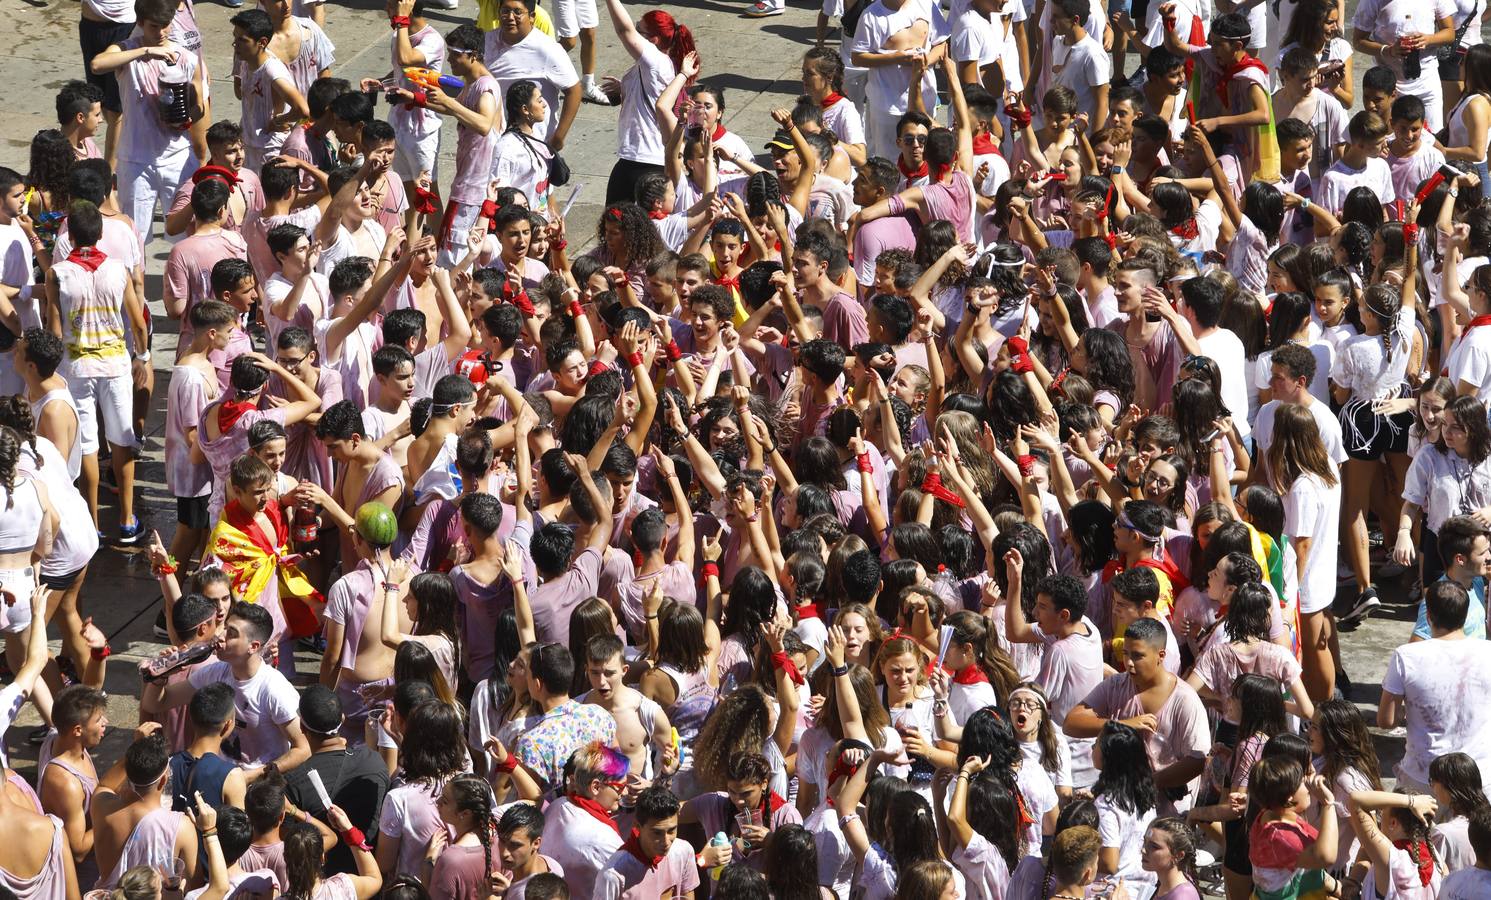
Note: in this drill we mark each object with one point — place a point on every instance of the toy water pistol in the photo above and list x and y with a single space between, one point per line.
428 79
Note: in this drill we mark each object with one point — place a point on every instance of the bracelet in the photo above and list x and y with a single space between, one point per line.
863 461
168 567
1454 192
559 245
507 766
211 832
838 671
575 309
651 617
711 570
634 359
1116 169
769 450
100 654
850 817
674 354
392 586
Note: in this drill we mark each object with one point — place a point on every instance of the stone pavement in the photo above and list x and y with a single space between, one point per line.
756 61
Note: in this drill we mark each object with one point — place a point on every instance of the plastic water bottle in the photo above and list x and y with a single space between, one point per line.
719 840
177 97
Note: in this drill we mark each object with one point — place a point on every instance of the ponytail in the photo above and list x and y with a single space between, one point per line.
16 413
971 628
677 40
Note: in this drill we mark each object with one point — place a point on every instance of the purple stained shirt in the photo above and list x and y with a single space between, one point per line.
474 150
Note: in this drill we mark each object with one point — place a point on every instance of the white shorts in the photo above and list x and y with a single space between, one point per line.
109 399
572 15
21 583
459 217
413 155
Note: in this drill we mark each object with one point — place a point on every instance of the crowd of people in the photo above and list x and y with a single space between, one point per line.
962 504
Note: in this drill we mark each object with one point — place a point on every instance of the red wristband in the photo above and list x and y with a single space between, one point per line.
353 837
784 662
1026 462
863 460
575 309
634 359
674 354
420 97
101 653
488 209
398 21
558 245
711 570
507 766
1411 232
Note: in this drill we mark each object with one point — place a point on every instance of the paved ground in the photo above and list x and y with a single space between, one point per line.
757 61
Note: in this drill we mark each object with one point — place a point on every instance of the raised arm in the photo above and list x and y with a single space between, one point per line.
631 39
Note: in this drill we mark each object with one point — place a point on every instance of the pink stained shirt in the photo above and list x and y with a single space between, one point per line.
628 878
844 321
554 600
1182 731
580 843
248 188
474 151
189 272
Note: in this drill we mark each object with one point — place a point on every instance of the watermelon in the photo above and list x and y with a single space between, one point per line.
377 524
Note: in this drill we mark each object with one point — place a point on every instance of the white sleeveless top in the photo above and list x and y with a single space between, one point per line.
76 540
75 453
20 516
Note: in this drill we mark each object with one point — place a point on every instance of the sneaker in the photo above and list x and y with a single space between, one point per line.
593 94
160 625
233 4
1366 601
132 532
762 10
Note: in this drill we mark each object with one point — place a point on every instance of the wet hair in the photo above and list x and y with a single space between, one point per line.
1126 777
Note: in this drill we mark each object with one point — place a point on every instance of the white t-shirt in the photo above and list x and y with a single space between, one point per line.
1225 349
1443 684
888 89
1330 431
262 704
976 39
538 58
1124 830
1363 367
1320 384
1388 20
1466 884
259 105
1313 510
637 135
1340 179
523 162
1083 68
844 120
1469 361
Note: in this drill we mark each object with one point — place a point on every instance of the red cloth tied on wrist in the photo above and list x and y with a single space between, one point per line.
595 369
398 21
710 570
517 296
1020 361
1411 232
420 98
509 765
784 662
863 461
674 354
932 484
424 202
634 359
1111 240
1026 462
488 209
354 837
575 309
1018 115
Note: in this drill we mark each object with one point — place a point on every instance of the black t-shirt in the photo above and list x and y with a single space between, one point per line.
356 780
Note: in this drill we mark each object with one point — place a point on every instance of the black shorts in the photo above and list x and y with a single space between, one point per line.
191 512
1235 853
63 582
95 38
1367 435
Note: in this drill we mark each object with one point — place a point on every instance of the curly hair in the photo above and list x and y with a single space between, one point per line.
51 163
640 239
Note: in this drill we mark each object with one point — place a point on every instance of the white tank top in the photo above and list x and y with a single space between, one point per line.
76 540
20 516
75 453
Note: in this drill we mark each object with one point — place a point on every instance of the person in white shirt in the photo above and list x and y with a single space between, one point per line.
153 153
890 35
415 43
1361 164
1438 688
516 50
1300 98
1404 36
1201 304
271 103
1077 60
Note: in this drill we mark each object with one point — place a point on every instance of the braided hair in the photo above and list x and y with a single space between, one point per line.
470 794
1384 302
10 455
15 414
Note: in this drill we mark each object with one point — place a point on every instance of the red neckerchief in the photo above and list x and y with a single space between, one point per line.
983 145
1474 323
1187 230
1232 71
830 99
633 845
248 523
596 810
732 284
808 611
1425 859
719 132
1111 568
769 806
911 174
656 215
231 411
971 675
89 258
